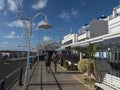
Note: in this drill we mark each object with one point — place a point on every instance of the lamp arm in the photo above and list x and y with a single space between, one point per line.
40 13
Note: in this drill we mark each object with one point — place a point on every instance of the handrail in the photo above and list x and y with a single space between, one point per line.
19 77
12 73
2 84
2 81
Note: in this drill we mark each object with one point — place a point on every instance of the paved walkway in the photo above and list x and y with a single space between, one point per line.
60 80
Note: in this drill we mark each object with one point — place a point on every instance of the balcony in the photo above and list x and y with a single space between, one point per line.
83 37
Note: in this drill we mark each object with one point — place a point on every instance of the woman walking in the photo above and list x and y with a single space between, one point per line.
55 60
47 61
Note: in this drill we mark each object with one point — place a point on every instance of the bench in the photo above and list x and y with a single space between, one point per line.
109 82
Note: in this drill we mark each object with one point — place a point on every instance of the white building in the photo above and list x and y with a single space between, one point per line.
95 28
114 21
69 39
83 34
104 32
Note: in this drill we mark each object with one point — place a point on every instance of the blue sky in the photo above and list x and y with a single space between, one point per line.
62 15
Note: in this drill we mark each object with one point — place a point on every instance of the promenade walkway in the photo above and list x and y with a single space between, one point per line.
60 80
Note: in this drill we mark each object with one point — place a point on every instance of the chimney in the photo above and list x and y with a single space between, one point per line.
114 13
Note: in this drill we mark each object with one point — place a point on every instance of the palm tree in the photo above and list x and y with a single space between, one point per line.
92 49
89 51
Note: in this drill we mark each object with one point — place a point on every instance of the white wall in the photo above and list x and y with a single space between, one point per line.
114 25
68 37
83 36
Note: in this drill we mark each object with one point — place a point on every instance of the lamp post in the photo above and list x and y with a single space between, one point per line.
38 52
44 26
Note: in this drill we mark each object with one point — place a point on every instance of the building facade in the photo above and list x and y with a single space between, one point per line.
69 39
114 21
104 32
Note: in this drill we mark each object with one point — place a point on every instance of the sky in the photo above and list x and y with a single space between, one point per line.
62 15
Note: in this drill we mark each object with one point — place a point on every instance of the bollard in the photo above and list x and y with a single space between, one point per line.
3 84
20 80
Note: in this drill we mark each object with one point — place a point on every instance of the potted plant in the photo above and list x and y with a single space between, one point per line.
88 68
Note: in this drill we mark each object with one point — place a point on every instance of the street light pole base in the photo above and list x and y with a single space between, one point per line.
26 83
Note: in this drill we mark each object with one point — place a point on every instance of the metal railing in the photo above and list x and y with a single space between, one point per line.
16 76
8 81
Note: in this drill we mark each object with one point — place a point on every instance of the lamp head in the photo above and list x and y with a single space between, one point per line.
45 25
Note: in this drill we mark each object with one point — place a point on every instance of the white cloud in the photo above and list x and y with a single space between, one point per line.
40 23
12 5
74 13
2 4
5 43
69 15
47 38
5 13
11 35
65 15
17 23
82 3
41 4
36 26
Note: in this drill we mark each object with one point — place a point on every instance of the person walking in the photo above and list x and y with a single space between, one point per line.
47 61
55 59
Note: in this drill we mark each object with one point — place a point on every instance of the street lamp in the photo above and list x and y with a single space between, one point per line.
44 26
